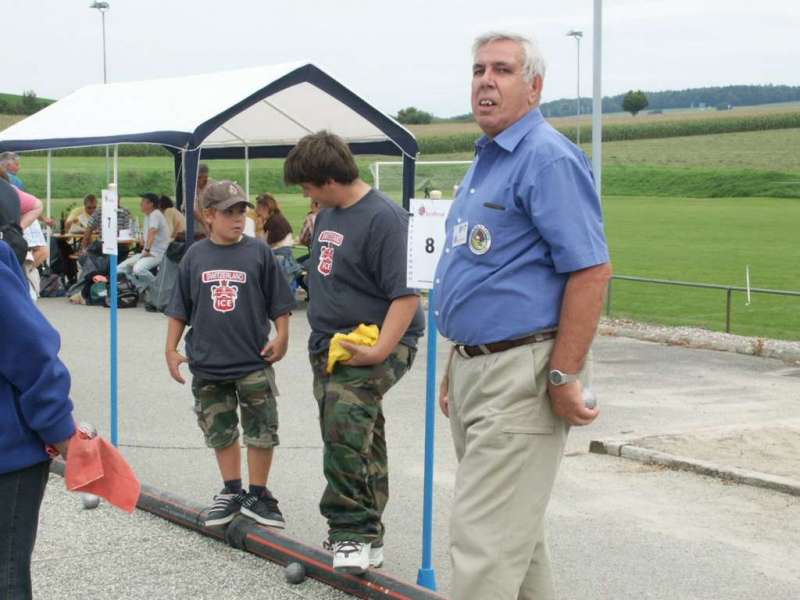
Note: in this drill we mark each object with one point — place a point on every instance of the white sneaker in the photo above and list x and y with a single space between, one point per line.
351 557
376 557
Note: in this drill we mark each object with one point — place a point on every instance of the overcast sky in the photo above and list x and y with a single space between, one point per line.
402 52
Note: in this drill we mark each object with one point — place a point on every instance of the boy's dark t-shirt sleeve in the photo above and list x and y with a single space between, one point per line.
387 261
180 304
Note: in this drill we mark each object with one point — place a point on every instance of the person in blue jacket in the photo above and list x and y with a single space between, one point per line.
35 410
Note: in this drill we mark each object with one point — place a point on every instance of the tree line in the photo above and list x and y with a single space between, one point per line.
730 95
26 104
713 97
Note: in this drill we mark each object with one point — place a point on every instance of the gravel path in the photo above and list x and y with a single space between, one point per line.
694 337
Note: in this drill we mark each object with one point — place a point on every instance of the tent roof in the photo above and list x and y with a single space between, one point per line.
266 109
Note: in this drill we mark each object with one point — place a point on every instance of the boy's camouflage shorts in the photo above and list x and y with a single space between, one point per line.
215 406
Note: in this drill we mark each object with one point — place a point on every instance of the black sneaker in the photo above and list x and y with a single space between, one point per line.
263 509
224 509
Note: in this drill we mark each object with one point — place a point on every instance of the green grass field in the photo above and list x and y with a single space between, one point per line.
775 150
706 241
685 239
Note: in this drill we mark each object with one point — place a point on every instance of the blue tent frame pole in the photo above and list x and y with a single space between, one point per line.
114 399
426 576
113 293
178 166
409 173
191 162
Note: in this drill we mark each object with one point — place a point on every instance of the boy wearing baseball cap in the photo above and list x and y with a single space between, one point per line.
229 287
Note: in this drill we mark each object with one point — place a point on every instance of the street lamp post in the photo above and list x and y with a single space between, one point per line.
102 7
578 35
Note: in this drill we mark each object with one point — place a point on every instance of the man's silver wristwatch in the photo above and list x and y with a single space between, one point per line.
556 377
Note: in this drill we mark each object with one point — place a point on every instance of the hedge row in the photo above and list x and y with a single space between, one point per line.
78 183
617 180
614 132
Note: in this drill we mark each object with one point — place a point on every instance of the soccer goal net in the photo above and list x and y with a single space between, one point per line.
441 175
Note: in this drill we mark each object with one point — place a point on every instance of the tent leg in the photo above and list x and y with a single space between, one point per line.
49 197
49 180
191 163
178 170
409 172
247 171
116 166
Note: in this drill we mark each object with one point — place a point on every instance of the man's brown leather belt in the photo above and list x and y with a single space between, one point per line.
491 348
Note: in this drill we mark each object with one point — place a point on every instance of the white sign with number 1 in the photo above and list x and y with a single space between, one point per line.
426 238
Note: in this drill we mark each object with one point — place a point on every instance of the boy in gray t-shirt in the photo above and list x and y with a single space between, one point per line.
357 274
229 287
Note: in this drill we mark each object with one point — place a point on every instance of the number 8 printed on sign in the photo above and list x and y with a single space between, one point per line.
426 240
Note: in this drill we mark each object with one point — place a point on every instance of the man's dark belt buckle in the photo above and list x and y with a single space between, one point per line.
492 347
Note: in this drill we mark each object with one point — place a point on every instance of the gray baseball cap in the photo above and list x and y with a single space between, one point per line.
224 194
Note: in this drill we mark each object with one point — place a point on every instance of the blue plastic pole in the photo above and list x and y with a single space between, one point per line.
427 576
113 292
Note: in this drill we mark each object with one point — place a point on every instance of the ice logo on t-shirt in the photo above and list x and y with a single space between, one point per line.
224 295
325 266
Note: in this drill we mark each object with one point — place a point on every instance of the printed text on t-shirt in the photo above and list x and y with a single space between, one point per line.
224 295
325 265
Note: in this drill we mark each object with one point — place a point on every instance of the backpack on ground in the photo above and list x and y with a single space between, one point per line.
50 285
127 294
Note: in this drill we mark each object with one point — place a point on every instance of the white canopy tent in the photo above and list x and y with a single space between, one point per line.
247 113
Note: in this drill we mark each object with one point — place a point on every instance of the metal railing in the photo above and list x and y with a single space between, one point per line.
729 289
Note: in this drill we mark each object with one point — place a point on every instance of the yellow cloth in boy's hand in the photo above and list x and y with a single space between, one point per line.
363 335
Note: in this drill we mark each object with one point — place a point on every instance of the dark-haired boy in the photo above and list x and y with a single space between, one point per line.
357 274
229 286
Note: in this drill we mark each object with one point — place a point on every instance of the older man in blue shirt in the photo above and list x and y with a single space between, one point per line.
520 286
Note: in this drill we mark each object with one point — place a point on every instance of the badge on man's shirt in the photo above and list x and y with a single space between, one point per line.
460 234
480 240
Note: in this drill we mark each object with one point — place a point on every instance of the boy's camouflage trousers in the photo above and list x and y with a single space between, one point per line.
355 460
215 405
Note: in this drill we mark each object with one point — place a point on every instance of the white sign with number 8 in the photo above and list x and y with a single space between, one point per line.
426 239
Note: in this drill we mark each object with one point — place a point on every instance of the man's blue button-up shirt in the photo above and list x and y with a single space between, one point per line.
526 215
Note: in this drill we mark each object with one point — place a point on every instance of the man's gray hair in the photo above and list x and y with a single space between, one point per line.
8 157
532 63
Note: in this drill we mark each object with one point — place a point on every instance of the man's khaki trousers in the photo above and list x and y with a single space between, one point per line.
509 446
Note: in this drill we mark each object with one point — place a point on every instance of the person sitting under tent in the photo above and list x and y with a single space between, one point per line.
277 232
93 226
175 219
203 181
38 252
78 218
307 230
156 239
10 162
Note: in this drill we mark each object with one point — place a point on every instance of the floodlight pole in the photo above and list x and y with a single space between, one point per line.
597 96
102 7
578 35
